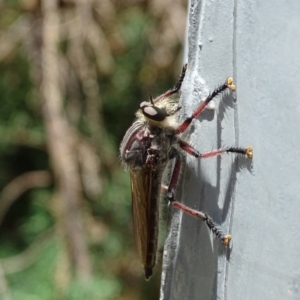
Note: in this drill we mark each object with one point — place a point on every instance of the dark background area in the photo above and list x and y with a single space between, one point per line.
72 75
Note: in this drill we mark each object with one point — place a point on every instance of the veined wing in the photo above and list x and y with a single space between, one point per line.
145 188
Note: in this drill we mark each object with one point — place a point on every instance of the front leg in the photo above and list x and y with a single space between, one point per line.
186 123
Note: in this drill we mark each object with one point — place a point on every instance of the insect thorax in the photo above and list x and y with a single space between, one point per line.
145 147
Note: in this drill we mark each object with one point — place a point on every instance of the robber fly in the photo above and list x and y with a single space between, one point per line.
148 145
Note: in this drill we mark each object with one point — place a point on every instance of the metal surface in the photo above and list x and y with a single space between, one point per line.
256 201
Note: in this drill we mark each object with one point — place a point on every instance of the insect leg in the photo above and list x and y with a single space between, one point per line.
225 239
180 80
227 85
177 86
190 150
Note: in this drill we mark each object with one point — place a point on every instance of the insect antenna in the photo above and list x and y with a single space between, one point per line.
151 98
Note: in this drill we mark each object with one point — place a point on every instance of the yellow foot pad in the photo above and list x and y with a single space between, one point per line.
226 240
229 83
249 152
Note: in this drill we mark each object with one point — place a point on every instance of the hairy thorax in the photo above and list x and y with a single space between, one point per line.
146 147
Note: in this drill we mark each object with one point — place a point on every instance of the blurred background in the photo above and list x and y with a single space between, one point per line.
72 74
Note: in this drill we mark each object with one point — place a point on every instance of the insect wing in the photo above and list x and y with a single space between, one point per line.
141 183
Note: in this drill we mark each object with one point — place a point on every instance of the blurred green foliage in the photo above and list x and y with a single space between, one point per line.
117 273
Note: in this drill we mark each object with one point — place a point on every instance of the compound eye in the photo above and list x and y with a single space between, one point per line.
154 113
144 104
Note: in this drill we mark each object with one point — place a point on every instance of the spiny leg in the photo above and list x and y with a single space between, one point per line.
190 150
180 80
177 86
227 85
225 239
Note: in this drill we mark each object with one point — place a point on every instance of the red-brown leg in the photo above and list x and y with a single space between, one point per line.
186 123
190 150
198 214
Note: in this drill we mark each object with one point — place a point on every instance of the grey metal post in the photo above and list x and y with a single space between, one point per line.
258 201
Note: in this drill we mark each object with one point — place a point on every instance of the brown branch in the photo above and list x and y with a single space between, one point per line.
87 73
25 259
20 185
89 164
4 288
61 143
18 31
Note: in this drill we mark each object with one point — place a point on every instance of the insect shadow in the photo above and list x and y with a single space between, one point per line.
197 255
